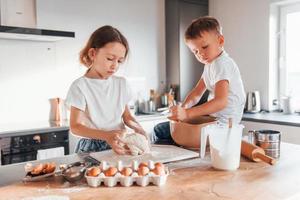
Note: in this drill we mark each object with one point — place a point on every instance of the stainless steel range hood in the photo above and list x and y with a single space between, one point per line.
33 34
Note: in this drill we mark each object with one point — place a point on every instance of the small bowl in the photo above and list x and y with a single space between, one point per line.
74 174
187 134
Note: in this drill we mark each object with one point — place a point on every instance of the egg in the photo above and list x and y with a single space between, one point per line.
38 169
94 171
143 171
158 164
126 171
159 170
143 164
49 168
111 171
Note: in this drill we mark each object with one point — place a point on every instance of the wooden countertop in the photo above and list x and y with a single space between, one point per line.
193 179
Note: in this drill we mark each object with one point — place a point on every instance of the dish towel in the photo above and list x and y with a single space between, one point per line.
50 153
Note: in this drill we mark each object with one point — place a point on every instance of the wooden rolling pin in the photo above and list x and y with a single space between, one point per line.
255 153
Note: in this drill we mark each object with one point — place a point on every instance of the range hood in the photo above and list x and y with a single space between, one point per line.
33 34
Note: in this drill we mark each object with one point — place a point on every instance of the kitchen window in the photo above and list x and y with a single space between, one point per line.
289 52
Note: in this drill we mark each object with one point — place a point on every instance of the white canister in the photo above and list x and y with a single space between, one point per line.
287 105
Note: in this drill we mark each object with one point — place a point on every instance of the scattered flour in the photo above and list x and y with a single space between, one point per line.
48 197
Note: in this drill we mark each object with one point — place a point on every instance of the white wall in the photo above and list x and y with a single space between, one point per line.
33 72
246 29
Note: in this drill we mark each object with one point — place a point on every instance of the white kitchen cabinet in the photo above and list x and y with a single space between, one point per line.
290 134
20 13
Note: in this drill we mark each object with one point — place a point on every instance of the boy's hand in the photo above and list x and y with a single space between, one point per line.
178 113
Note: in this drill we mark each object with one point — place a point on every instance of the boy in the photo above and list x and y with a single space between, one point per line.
221 77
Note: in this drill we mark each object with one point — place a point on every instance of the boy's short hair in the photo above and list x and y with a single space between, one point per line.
201 25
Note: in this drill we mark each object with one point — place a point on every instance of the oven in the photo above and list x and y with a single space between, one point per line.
24 148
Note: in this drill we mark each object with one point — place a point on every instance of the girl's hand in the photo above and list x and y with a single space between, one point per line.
113 139
178 113
141 131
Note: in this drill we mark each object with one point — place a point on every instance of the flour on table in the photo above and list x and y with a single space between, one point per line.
48 197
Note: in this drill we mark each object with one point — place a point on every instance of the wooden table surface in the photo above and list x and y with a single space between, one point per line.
193 179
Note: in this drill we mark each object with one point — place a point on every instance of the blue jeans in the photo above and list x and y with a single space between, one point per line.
162 134
85 145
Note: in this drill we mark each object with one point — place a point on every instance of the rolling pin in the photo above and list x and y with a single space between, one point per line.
255 153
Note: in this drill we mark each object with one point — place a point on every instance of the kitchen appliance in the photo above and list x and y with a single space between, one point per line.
24 148
147 107
225 145
18 20
253 102
268 140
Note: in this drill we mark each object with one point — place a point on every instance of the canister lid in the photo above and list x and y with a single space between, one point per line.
267 135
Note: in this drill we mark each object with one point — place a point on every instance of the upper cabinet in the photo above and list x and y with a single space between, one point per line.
18 21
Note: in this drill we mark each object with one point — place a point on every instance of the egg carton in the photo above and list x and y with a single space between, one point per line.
111 181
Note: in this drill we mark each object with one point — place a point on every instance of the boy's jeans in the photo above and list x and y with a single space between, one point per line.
162 134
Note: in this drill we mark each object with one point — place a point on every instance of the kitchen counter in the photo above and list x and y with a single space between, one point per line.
192 179
273 118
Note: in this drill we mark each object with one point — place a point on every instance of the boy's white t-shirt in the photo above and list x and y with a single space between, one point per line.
224 68
103 101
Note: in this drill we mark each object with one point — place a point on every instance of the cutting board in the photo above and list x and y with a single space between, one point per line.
159 153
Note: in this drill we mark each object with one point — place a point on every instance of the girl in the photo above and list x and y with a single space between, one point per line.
98 100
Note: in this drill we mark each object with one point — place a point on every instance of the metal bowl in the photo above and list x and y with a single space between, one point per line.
74 173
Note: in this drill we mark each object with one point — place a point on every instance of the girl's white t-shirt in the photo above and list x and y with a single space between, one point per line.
224 68
103 101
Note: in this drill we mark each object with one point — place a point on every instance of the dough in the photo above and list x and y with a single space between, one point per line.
137 143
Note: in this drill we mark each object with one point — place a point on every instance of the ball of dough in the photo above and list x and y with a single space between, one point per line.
137 143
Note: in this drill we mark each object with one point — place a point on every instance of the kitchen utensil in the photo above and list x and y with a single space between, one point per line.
75 172
253 102
255 153
164 100
268 140
218 133
187 134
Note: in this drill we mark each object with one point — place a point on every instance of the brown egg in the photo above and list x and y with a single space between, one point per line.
143 164
158 164
49 168
143 171
38 169
126 171
111 171
159 170
94 171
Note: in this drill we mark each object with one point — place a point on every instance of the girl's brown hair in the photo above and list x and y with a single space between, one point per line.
200 25
99 39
